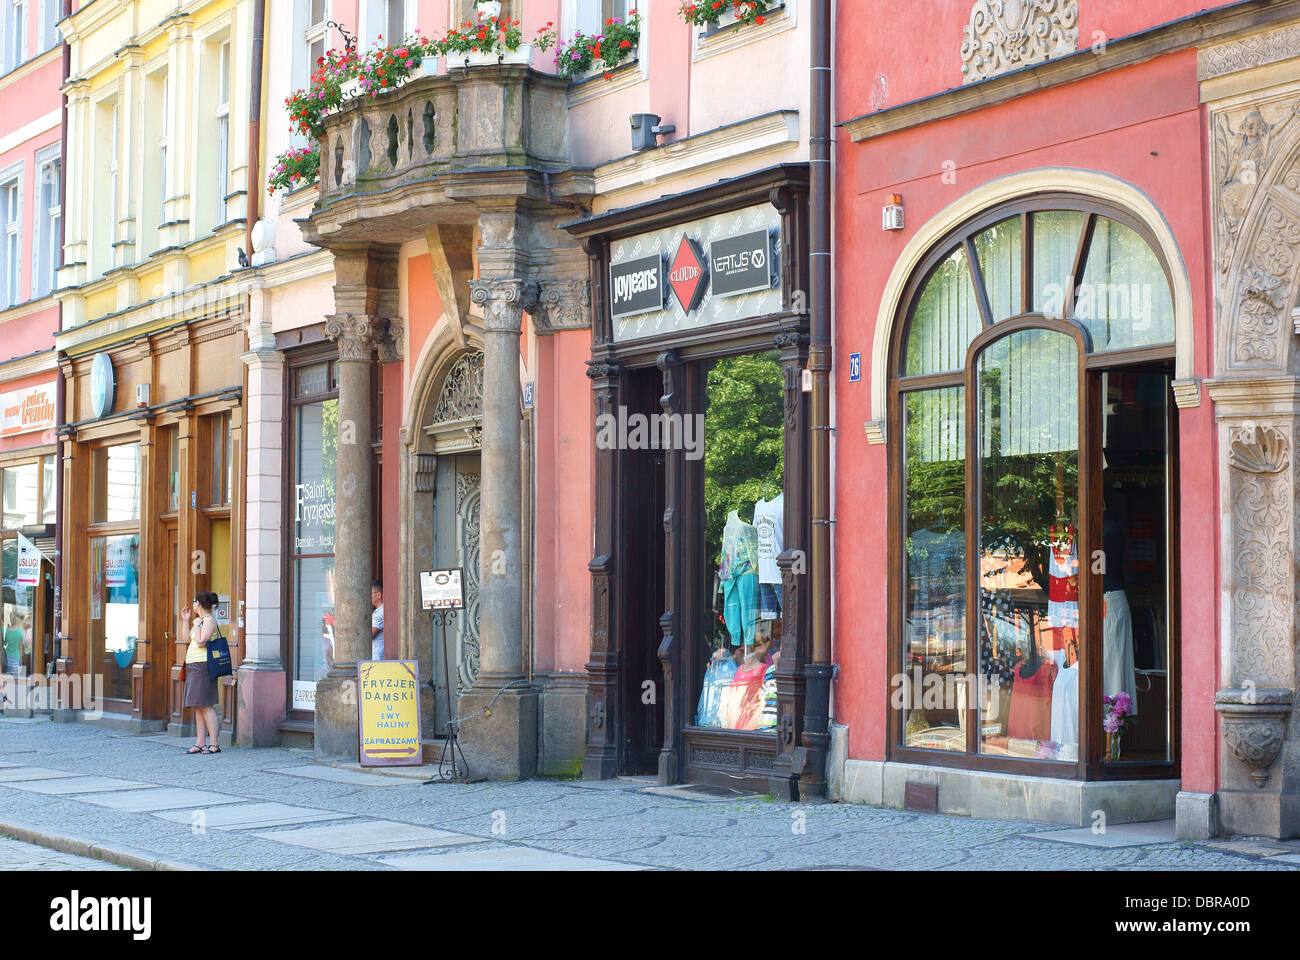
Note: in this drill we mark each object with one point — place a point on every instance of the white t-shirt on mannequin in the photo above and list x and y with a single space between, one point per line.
769 519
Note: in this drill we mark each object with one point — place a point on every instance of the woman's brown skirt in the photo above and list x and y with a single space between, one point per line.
200 688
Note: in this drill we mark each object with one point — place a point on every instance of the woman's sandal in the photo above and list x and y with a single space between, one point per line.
211 748
196 749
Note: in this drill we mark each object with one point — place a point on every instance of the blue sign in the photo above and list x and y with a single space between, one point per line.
103 385
855 367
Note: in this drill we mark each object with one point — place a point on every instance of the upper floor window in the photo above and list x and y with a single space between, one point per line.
590 16
15 30
10 217
395 28
463 10
318 16
49 214
50 11
222 185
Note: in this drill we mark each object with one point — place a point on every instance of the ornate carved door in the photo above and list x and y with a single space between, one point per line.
467 548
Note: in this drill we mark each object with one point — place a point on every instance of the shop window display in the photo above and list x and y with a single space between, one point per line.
115 609
16 638
744 463
315 461
1002 511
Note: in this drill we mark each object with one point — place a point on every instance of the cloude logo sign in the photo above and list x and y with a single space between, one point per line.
77 914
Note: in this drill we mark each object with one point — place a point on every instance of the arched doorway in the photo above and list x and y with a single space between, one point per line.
445 528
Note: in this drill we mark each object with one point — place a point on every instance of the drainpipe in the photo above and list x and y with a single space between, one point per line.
59 385
254 192
818 670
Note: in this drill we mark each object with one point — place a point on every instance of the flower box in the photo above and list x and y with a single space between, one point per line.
480 58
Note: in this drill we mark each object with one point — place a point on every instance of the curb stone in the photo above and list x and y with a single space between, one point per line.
121 856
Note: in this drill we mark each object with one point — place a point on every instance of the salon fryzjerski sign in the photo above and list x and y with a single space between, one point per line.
697 274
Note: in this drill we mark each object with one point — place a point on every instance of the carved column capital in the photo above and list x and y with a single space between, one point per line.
563 305
504 302
389 345
356 336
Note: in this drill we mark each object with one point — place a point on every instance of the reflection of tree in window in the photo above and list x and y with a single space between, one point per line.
744 450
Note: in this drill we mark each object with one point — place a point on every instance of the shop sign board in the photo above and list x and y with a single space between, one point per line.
442 589
636 286
27 410
687 276
388 704
720 269
29 563
741 264
103 384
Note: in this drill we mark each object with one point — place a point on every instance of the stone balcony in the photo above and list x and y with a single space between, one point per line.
428 152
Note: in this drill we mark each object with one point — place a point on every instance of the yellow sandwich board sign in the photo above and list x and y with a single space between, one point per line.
388 699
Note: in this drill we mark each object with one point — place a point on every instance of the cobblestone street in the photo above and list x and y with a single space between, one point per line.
142 802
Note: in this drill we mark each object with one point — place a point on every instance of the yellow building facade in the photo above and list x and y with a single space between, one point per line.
150 344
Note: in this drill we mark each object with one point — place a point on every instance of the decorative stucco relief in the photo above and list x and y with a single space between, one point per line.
1275 44
1262 561
1005 35
1256 170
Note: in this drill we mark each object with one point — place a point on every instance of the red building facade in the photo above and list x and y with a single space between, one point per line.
1070 352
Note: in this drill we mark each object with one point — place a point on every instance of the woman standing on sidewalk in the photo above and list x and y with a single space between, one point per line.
200 687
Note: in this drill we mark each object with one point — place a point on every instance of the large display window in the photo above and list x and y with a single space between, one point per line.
744 506
1033 491
314 424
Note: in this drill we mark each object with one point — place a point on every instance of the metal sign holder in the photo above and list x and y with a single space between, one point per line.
441 593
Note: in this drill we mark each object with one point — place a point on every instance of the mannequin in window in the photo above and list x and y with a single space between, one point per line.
1118 672
738 573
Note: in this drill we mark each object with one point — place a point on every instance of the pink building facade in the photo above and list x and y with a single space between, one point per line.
1063 278
31 113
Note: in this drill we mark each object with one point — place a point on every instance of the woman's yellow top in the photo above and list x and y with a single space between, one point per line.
196 653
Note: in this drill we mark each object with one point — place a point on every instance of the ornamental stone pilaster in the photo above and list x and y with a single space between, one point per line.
499 734
354 527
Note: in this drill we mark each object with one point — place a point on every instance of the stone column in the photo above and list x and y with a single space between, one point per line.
262 682
336 701
499 734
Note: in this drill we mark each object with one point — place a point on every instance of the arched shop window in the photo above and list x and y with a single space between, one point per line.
1034 497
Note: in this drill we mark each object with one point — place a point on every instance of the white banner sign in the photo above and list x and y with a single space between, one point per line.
27 410
29 563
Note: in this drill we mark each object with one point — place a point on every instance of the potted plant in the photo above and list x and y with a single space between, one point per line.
295 167
486 40
709 13
614 45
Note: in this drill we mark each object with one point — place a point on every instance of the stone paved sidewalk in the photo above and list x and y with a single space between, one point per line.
16 855
273 809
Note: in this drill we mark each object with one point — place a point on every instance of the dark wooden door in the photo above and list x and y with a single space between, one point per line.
641 673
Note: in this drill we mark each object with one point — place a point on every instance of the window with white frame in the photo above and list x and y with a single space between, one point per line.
395 28
590 16
15 32
318 16
162 150
463 10
223 132
114 185
50 10
11 192
49 214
